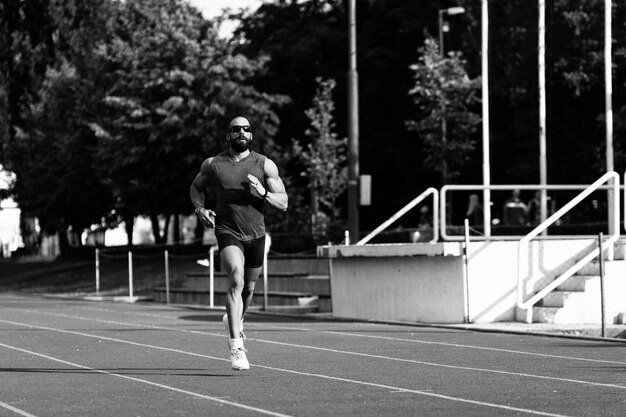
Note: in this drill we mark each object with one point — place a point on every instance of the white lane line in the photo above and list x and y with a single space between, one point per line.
16 410
346 352
327 377
417 341
398 339
144 381
458 345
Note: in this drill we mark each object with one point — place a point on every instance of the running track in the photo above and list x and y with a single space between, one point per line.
79 358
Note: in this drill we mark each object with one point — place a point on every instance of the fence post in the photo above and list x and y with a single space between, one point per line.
211 277
97 272
602 305
268 245
265 297
466 315
167 277
130 277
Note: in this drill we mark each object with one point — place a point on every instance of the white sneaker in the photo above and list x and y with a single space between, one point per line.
238 359
225 321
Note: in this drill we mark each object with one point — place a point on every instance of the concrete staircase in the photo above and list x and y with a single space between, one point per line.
297 284
577 300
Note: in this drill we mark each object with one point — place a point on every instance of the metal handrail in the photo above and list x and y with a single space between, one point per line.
404 210
534 187
578 265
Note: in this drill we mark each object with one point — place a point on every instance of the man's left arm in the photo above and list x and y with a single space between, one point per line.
275 194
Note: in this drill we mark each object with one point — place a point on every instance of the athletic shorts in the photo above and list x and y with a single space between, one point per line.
253 250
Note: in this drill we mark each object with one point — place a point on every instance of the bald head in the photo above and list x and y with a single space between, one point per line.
239 121
239 134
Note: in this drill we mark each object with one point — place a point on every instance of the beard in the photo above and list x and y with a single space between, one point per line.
240 144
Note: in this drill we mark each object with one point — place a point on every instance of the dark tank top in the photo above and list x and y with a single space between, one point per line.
238 211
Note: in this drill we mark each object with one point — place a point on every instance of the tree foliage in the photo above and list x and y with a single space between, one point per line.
325 163
388 36
132 101
56 157
48 144
125 98
171 82
443 93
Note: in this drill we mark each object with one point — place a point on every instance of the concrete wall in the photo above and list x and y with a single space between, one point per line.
614 293
492 273
424 282
309 265
398 288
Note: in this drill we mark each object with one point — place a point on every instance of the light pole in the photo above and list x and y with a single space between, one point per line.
443 27
485 107
608 101
541 59
353 129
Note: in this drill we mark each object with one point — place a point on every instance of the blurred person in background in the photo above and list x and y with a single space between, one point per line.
515 210
474 212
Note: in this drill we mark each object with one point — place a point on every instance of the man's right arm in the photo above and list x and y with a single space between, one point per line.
196 193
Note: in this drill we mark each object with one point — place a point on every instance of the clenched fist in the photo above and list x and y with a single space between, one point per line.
256 185
206 217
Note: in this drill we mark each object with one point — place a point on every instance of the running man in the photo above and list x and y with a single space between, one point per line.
243 181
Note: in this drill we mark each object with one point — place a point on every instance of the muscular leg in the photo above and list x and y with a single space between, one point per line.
232 261
250 277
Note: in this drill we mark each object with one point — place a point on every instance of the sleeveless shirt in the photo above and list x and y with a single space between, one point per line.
238 211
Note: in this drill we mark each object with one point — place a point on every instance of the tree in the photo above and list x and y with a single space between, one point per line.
173 82
26 39
575 96
155 85
57 182
325 162
444 93
48 145
577 90
130 102
309 39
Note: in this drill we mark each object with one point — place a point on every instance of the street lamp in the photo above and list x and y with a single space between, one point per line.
443 26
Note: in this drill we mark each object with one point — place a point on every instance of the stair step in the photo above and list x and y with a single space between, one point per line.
556 315
544 314
293 309
292 281
620 250
569 299
195 296
555 299
577 282
271 274
305 264
288 294
592 268
316 284
573 302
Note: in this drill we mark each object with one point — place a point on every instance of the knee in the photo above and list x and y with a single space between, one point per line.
248 288
237 282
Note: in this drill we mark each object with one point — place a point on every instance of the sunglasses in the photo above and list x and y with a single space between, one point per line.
237 129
